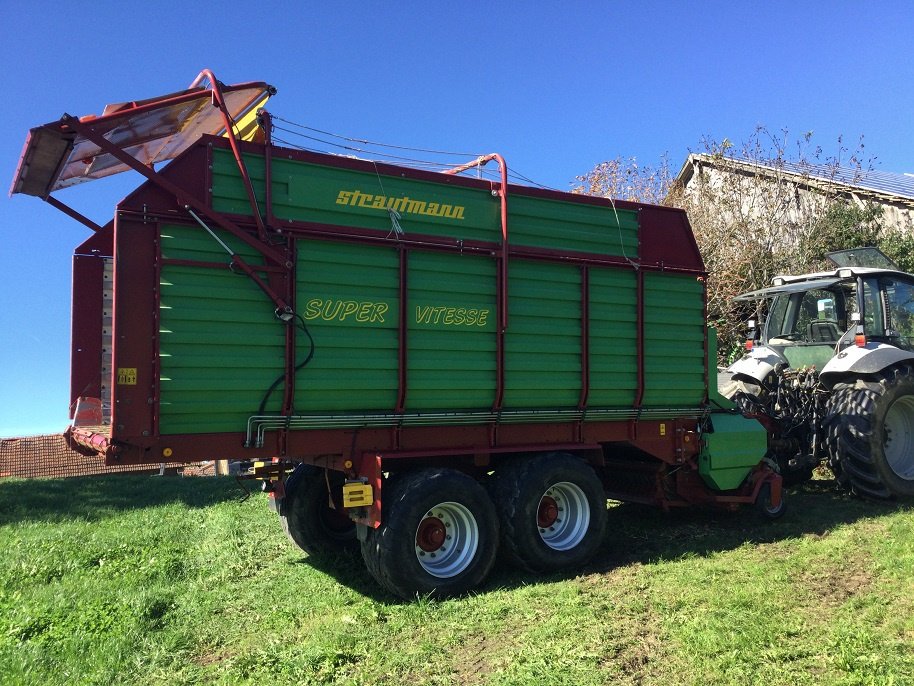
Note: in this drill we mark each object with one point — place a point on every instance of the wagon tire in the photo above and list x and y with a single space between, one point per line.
306 515
552 511
438 535
871 434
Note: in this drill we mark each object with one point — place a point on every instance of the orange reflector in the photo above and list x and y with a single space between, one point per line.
860 340
749 344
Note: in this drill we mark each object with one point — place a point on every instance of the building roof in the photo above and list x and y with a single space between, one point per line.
890 186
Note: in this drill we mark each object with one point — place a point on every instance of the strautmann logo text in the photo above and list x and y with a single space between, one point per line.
404 205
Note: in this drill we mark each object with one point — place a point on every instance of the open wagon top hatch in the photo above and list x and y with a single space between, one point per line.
155 130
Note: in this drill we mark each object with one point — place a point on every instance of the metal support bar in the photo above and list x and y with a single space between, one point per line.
288 401
282 308
219 101
585 337
86 130
639 276
266 124
66 209
502 193
402 346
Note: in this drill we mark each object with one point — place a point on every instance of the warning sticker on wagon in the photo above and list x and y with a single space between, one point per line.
126 376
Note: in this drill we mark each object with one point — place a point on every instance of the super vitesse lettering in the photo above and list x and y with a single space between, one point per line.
363 311
451 316
371 312
404 205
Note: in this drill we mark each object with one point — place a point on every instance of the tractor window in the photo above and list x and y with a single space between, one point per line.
873 324
817 320
777 325
814 316
898 297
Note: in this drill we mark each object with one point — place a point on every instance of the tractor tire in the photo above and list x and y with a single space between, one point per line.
438 537
839 398
871 434
552 511
306 515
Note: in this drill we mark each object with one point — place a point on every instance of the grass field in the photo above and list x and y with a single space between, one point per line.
151 580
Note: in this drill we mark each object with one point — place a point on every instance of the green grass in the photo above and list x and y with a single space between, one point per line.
150 580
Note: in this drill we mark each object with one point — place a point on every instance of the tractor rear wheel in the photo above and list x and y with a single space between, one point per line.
871 434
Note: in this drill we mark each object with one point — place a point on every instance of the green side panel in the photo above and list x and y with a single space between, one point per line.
809 355
736 445
348 295
321 194
714 396
560 225
543 341
220 345
345 197
452 332
194 243
613 338
674 340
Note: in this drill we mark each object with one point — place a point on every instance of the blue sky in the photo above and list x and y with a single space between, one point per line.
554 87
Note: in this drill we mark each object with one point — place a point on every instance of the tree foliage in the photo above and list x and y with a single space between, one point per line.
761 208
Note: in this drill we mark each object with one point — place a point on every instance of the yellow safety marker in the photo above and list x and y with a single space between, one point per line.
357 494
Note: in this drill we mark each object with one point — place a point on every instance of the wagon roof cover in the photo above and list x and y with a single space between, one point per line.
156 130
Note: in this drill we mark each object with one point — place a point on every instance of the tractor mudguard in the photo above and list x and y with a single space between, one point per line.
854 360
756 365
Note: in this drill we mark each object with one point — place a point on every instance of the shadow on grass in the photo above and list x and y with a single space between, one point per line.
94 498
642 534
349 570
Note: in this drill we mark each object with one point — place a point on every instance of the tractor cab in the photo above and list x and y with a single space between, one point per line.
813 317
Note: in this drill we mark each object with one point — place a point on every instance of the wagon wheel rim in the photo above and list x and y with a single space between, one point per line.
563 516
899 437
446 540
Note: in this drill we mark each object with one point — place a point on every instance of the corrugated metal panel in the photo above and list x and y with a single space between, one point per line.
890 183
543 341
346 197
869 179
674 340
452 325
613 338
349 297
348 294
193 243
544 223
221 346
